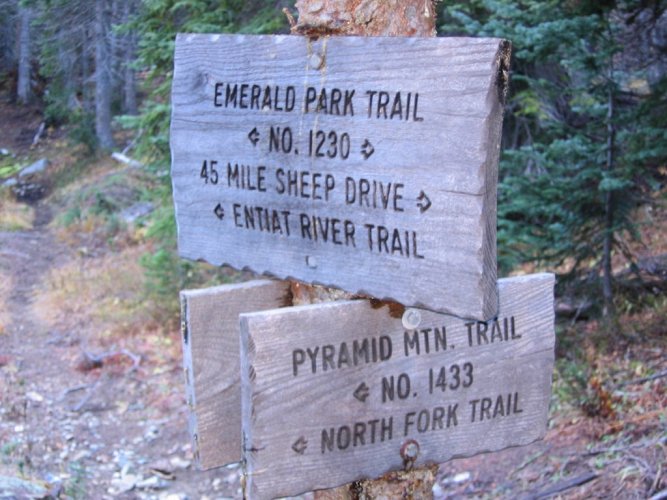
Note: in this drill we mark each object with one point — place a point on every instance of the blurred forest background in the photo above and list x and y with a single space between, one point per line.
582 173
585 136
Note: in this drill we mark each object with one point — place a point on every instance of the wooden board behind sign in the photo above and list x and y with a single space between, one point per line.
210 328
366 164
319 412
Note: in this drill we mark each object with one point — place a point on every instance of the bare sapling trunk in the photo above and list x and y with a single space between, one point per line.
24 90
103 85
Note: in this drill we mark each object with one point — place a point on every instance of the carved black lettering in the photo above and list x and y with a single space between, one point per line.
231 95
290 98
322 102
438 415
328 352
469 326
496 332
481 333
411 341
313 357
452 419
298 358
383 100
423 421
280 175
266 100
233 177
360 350
414 112
397 107
249 217
243 95
359 433
440 335
328 440
276 99
349 234
343 355
371 95
344 437
217 94
254 96
513 329
237 215
485 409
348 107
311 96
499 407
336 96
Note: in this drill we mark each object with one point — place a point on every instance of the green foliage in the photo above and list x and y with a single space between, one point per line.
580 149
157 24
82 130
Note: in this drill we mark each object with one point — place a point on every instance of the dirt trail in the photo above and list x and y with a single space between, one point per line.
83 431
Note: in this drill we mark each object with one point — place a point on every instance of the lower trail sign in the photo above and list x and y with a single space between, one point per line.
342 391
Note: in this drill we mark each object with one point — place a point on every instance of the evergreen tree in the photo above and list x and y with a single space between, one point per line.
570 174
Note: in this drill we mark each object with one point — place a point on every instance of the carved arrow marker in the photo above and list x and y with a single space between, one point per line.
219 211
361 392
254 136
423 202
367 149
300 445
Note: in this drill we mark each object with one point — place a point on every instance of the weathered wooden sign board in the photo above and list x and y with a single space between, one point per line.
336 392
210 338
366 164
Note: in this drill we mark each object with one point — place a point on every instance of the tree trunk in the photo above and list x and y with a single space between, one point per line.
607 277
24 91
102 76
129 53
8 60
367 18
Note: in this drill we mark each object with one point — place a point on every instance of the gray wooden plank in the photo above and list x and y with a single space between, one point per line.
210 339
427 215
314 418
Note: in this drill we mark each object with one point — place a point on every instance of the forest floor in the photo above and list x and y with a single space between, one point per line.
91 390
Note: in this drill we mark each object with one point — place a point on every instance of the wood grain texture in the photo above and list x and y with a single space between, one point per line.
332 424
210 339
427 215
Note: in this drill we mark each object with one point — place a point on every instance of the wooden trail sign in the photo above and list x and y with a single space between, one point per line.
366 164
210 336
341 391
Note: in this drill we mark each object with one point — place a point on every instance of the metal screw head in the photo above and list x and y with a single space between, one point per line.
411 319
315 61
410 450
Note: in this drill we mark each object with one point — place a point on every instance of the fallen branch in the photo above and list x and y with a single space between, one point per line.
612 449
97 360
39 133
565 485
79 406
121 158
70 390
529 461
655 376
661 495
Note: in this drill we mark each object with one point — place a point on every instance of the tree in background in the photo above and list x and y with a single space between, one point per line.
576 162
23 86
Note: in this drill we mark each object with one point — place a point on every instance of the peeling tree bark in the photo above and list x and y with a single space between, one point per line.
366 18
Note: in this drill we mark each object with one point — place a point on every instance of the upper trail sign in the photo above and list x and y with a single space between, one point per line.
366 164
